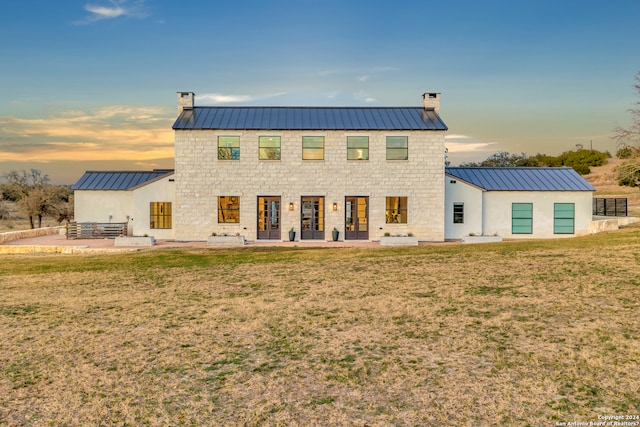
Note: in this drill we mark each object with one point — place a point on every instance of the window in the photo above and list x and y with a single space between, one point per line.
228 209
397 148
228 148
458 213
396 211
522 218
313 148
357 148
563 218
160 216
269 148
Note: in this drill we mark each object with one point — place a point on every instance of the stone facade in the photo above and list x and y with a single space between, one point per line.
200 178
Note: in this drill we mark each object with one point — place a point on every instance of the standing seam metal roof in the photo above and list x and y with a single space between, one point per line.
310 118
118 180
521 179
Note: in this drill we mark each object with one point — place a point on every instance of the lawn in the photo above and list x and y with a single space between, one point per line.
515 333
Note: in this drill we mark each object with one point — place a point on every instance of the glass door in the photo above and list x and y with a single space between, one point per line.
269 217
356 218
312 218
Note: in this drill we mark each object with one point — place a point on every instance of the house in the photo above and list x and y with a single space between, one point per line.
366 172
143 199
261 171
516 202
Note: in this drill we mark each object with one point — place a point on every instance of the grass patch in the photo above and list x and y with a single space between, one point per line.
520 333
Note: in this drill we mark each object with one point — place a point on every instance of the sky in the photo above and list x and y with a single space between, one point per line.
91 85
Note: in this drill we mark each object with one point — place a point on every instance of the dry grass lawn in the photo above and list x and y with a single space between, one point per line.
515 333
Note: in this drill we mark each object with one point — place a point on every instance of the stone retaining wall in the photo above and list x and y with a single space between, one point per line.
25 234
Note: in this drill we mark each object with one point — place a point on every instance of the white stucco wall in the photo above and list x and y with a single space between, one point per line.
457 191
162 190
497 206
201 178
103 206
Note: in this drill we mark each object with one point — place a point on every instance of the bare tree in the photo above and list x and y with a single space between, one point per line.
629 171
34 195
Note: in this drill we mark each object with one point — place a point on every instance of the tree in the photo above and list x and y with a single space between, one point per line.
629 137
34 195
501 159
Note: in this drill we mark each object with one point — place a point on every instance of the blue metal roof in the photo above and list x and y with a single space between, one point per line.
118 180
521 179
310 118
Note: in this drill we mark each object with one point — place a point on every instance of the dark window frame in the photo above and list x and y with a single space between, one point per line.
354 148
458 213
228 209
310 150
396 213
392 152
267 152
160 215
522 220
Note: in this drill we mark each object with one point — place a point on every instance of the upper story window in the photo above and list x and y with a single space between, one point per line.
269 148
160 215
357 148
396 210
228 148
397 148
313 148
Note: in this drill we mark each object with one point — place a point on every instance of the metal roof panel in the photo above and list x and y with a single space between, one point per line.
117 180
310 118
521 179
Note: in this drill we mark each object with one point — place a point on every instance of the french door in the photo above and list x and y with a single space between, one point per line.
312 217
356 218
269 217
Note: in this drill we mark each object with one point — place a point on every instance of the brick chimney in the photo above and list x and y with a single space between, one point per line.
431 101
185 101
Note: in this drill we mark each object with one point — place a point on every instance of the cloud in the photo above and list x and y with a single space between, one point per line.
219 98
108 133
116 9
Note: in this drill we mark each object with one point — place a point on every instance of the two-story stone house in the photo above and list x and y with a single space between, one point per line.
262 171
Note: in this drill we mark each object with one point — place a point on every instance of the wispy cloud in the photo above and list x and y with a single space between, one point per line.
112 132
113 9
219 98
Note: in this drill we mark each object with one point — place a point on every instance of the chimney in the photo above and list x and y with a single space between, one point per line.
185 101
431 101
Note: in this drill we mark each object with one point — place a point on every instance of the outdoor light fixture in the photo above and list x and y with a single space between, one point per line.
335 206
290 206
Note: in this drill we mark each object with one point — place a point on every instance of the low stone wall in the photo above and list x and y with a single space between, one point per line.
51 249
481 239
398 241
226 241
26 234
600 224
134 241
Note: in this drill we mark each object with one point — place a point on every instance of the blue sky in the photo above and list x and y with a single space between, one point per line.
89 85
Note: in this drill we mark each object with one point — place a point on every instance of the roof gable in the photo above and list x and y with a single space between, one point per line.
118 180
521 179
310 118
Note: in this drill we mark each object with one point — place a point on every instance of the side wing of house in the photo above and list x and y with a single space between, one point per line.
518 203
121 196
